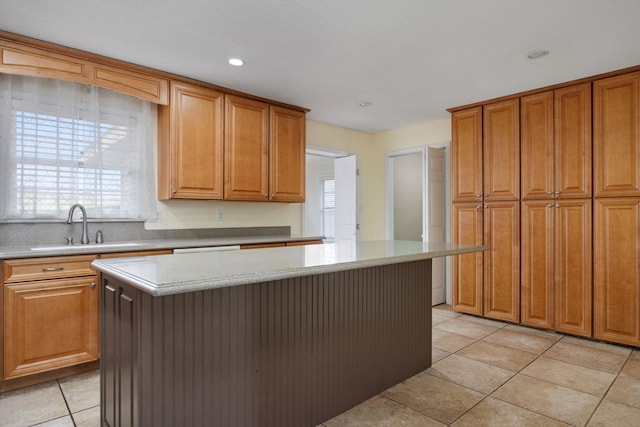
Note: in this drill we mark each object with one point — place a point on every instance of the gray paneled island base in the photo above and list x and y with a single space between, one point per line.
269 337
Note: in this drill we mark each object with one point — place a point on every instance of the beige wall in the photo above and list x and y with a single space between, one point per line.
370 149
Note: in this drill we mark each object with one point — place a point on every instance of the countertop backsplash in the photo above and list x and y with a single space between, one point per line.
53 233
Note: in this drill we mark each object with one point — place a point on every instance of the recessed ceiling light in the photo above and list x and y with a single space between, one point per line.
538 53
365 104
236 62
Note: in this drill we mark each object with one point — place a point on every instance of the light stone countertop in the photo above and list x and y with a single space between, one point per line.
13 252
181 273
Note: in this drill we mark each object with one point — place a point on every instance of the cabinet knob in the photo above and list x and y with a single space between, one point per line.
50 269
174 191
549 193
549 206
557 192
93 285
266 196
478 195
486 207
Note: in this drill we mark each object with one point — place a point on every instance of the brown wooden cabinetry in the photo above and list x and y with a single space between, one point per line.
501 150
190 144
264 151
287 155
573 146
579 222
616 270
246 147
466 155
573 266
616 137
537 146
467 280
502 260
556 265
50 314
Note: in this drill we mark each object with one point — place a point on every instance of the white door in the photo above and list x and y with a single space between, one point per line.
434 225
345 171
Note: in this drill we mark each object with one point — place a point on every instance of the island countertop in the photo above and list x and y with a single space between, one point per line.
181 273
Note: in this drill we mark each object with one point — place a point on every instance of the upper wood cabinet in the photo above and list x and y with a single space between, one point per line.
616 270
264 151
572 112
556 143
616 127
246 147
501 150
190 144
466 155
287 155
536 140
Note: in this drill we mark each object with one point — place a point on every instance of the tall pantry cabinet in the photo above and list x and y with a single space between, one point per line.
571 217
556 209
617 209
486 209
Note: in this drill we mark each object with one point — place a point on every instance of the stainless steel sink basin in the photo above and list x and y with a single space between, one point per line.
79 247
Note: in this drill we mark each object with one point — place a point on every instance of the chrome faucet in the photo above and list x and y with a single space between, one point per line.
85 235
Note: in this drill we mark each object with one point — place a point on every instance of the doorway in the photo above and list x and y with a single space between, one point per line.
331 205
416 203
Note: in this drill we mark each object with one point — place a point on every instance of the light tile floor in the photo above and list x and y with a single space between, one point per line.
484 373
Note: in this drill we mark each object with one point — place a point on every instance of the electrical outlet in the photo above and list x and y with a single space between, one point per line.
220 214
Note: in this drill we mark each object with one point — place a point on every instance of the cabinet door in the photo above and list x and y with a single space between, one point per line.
466 155
467 268
501 150
49 324
119 403
616 270
536 119
287 155
572 110
536 284
502 261
573 265
190 142
616 137
246 149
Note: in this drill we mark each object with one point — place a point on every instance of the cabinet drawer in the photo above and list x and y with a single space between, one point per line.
21 270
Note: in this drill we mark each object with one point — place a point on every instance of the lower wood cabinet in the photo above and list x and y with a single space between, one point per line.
488 283
467 268
502 261
50 317
49 324
616 270
556 265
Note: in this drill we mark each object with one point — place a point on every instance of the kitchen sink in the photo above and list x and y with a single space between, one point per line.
78 247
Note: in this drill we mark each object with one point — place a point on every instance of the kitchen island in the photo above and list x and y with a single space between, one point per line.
270 337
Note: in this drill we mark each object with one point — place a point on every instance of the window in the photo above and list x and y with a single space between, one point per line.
328 208
63 143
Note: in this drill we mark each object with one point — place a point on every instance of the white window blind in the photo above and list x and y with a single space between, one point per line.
63 143
328 208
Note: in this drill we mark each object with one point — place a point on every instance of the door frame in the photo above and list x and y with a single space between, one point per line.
388 197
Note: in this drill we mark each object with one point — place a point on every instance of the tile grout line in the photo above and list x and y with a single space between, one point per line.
604 395
64 397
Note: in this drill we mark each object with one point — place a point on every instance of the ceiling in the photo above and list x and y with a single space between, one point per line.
411 59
